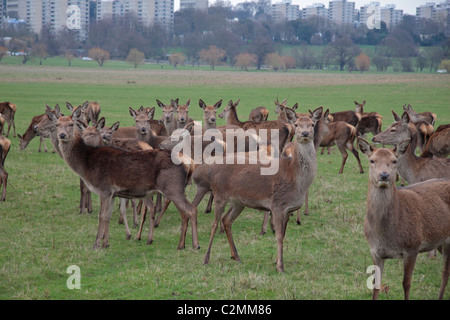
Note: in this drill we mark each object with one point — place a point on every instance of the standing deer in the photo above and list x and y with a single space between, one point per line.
411 167
8 111
369 122
5 145
169 118
209 114
258 114
426 116
343 135
401 223
182 116
112 172
243 186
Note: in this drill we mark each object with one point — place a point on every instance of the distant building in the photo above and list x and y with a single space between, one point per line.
194 4
342 12
391 16
426 11
284 11
316 9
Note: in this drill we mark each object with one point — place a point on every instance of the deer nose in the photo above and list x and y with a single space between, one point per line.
143 130
182 120
384 176
305 134
167 118
212 119
62 135
35 128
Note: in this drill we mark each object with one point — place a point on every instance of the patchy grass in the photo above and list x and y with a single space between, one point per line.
325 258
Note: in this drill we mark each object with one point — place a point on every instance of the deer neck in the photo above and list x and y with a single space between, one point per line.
75 153
320 130
303 165
170 126
233 117
380 206
408 161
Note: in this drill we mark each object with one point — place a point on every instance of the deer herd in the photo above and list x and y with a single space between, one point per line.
137 163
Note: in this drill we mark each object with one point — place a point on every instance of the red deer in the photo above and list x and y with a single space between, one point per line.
5 145
90 113
112 172
426 116
8 111
243 186
258 114
209 114
351 117
142 128
285 130
411 167
46 127
2 123
31 133
439 143
182 117
424 128
401 223
169 118
369 122
343 135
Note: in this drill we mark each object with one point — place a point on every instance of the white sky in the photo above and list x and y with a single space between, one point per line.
408 6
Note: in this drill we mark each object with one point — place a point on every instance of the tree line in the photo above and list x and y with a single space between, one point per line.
244 36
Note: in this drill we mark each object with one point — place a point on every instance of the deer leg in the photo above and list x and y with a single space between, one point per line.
356 154
123 214
158 202
3 181
236 209
219 206
163 210
210 202
377 261
82 196
344 157
146 204
265 221
88 200
152 212
280 221
409 260
135 213
103 220
445 270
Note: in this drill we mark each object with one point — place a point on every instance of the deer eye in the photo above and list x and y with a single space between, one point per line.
394 162
372 162
393 131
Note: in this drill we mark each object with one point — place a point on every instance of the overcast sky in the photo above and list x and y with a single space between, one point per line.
408 6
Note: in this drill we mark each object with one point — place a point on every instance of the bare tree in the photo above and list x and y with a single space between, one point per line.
99 55
135 57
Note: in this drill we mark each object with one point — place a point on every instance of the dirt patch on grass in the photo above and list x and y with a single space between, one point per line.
208 78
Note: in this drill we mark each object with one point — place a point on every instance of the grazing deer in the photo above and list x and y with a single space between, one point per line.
5 145
343 135
411 167
285 130
439 143
258 114
112 172
8 111
243 186
31 133
209 114
401 223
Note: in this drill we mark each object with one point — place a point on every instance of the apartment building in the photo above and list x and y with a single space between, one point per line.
284 11
391 16
316 9
194 4
342 12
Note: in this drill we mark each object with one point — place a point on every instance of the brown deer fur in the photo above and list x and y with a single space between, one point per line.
31 133
243 186
5 145
112 172
411 167
8 111
258 114
439 143
209 114
402 222
343 135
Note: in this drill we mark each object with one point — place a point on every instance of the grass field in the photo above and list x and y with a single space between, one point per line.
42 234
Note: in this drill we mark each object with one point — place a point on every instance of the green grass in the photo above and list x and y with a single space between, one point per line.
326 257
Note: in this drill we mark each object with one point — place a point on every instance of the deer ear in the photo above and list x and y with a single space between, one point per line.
295 106
396 117
81 125
132 112
365 146
405 117
316 114
160 104
51 116
218 104
188 102
101 123
401 147
151 113
69 106
115 126
174 103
